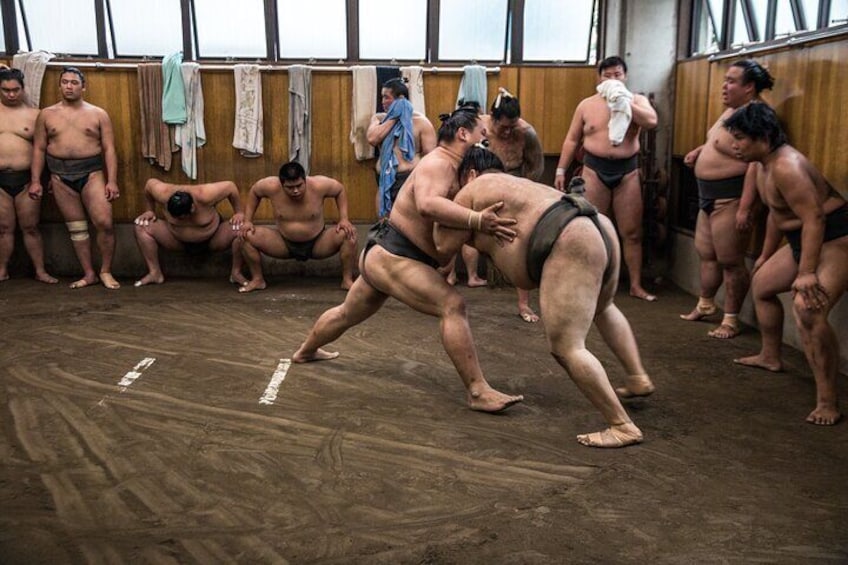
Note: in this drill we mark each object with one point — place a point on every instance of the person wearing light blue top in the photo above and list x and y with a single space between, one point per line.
403 137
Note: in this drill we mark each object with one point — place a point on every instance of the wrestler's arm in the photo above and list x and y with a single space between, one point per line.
337 191
534 161
110 155
39 149
149 215
569 146
231 192
429 140
748 198
378 129
450 240
643 114
254 197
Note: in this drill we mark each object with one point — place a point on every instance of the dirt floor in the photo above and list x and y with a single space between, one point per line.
373 457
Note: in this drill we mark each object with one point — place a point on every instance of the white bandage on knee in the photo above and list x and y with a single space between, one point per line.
78 230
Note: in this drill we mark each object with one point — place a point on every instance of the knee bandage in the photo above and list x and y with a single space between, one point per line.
78 230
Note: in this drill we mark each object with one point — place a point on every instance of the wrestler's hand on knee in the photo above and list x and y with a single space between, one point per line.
237 221
145 218
812 292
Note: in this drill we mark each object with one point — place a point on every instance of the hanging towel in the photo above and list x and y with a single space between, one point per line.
32 64
400 110
157 137
473 85
618 99
300 118
362 109
192 134
248 134
384 74
173 90
414 77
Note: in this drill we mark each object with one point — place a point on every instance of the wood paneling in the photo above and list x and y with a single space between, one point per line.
693 90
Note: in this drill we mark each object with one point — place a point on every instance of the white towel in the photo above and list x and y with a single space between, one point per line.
362 109
415 83
32 64
300 115
248 134
618 99
191 134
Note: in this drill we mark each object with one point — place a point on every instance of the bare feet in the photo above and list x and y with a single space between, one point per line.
109 281
476 282
642 294
150 278
824 416
636 386
451 278
252 285
699 313
759 361
4 277
492 401
237 278
528 315
614 436
346 284
319 354
724 331
44 277
84 282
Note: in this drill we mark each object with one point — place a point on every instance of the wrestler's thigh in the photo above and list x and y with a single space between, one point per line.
269 241
159 231
704 237
67 200
833 268
223 237
417 285
27 209
94 200
776 275
7 211
596 192
328 243
627 204
729 243
568 297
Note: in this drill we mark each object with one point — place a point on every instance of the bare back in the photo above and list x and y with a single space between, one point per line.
73 131
17 127
595 115
202 223
717 160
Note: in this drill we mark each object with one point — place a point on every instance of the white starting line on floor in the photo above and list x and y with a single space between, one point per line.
276 379
131 376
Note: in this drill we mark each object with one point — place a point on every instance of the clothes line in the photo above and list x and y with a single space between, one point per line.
97 65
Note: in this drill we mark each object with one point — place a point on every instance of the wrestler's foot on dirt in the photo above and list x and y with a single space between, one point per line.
492 401
85 281
252 285
45 277
476 282
528 315
824 416
451 278
150 278
4 276
724 331
636 386
642 294
699 313
109 281
301 356
760 361
614 436
237 278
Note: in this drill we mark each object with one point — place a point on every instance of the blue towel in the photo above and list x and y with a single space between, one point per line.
173 90
473 85
400 110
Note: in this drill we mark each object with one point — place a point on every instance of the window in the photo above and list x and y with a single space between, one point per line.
313 29
239 33
389 29
706 29
472 30
740 28
838 12
559 31
811 13
67 27
152 27
2 36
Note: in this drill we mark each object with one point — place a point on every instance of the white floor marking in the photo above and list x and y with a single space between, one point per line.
131 376
276 379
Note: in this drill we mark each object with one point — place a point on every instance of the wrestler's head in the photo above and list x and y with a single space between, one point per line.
180 204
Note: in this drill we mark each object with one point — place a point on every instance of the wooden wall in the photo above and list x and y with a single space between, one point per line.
548 97
810 82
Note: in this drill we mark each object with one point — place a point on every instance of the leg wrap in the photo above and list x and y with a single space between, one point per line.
78 230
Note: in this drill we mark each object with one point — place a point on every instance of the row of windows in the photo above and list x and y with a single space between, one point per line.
718 25
349 30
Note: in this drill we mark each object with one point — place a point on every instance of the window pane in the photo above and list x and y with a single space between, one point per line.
740 32
480 37
785 22
62 27
152 27
389 29
838 13
218 19
760 10
557 31
312 29
707 29
2 36
811 12
717 12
